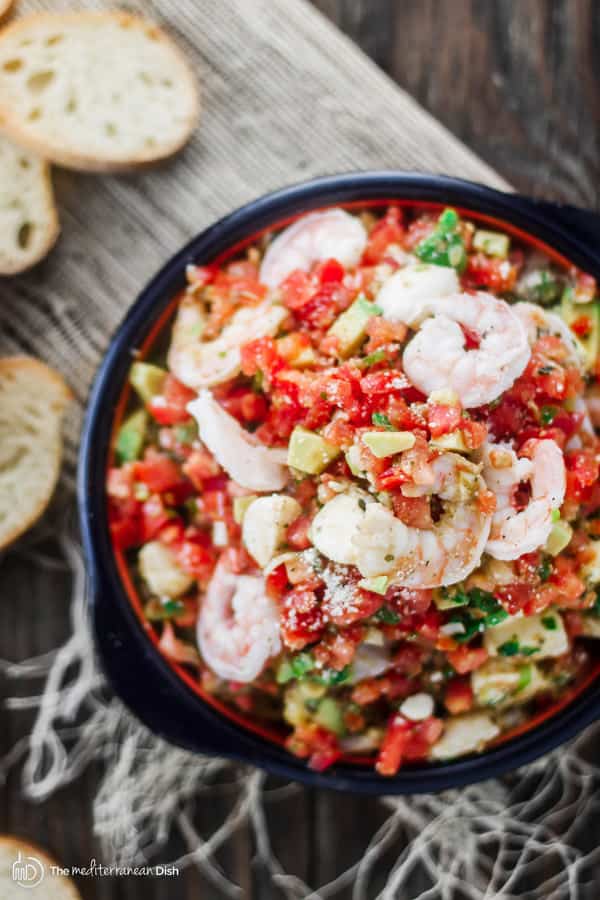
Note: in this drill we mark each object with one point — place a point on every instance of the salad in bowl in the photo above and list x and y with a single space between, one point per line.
355 485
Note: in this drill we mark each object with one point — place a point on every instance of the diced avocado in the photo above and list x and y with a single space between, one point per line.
445 245
377 584
353 459
454 440
445 397
147 380
309 452
240 506
386 443
350 327
494 243
559 537
570 312
329 715
130 439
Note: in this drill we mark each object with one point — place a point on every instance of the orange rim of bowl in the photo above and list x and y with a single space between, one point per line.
277 735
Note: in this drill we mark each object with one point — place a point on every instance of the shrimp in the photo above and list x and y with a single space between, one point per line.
539 322
200 364
244 458
317 236
408 294
368 535
436 357
513 532
238 626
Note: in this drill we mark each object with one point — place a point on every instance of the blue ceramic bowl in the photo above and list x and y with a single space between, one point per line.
149 685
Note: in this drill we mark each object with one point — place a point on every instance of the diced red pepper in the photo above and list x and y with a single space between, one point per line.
389 758
466 659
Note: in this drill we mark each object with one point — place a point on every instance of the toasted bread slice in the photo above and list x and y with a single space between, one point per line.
5 5
33 399
28 219
27 870
95 91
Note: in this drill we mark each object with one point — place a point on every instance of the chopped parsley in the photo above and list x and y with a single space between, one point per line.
382 420
296 667
332 677
514 648
550 623
544 570
386 616
548 414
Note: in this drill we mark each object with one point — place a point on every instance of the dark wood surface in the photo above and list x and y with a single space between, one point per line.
518 81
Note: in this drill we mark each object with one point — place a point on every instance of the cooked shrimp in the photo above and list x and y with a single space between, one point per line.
407 296
437 358
513 532
539 322
368 535
199 363
317 236
238 626
246 461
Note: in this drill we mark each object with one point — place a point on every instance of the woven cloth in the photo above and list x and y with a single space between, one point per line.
285 97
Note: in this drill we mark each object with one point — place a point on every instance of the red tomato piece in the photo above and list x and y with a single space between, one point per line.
389 758
170 407
330 271
158 472
388 230
155 515
466 659
443 419
297 533
458 697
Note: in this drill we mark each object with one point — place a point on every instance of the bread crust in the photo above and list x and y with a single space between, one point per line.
26 848
38 372
5 6
52 229
62 155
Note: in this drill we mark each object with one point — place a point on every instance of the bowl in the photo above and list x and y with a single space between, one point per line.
162 695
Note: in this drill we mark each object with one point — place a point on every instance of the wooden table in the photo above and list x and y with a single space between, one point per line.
519 83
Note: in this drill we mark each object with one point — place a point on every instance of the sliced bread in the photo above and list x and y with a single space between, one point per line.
95 91
5 5
33 399
27 871
28 219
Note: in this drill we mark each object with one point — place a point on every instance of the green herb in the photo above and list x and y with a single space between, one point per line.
186 433
550 623
362 504
548 414
157 610
296 667
386 616
331 677
472 626
545 370
555 515
373 358
544 570
509 648
529 651
445 245
382 420
525 673
460 598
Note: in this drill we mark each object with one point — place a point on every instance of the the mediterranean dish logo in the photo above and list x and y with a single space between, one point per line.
27 871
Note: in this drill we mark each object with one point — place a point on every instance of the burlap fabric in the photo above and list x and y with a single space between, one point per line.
285 97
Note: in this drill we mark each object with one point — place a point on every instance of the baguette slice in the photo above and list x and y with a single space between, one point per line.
5 5
33 399
28 219
26 871
95 91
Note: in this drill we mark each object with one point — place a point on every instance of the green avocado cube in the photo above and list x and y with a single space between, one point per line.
350 327
387 443
147 380
570 312
494 243
309 452
131 435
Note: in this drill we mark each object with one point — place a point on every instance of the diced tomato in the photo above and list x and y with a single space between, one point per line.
170 407
200 276
175 649
171 533
388 230
196 559
296 290
125 527
302 620
317 743
422 736
245 405
582 474
392 685
330 271
443 419
297 533
382 333
361 605
277 583
585 287
337 650
458 697
582 326
413 511
158 472
391 479
498 275
155 515
409 601
389 758
261 355
120 482
408 659
419 229
466 659
573 623
200 466
570 586
474 433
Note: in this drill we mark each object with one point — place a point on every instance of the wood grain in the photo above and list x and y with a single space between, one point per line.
519 82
